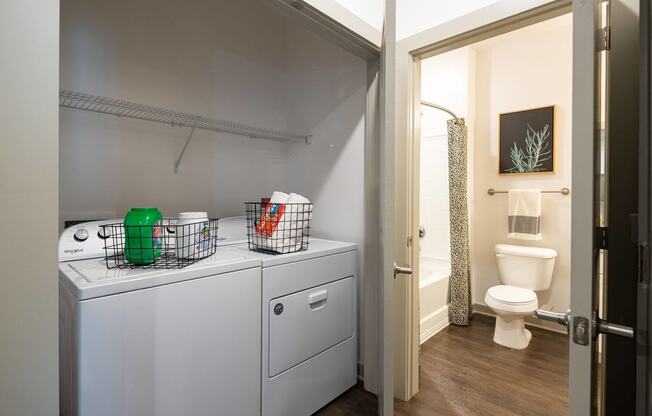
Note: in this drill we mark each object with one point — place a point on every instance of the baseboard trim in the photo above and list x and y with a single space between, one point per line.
433 323
483 309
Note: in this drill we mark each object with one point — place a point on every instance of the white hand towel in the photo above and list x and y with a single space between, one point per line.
272 219
524 214
299 221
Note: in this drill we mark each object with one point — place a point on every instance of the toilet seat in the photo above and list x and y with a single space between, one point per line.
511 299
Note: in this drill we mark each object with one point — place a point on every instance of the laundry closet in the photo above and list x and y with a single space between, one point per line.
205 105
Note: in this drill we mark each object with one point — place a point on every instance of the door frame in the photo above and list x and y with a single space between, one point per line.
496 19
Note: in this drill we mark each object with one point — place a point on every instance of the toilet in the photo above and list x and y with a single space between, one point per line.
522 271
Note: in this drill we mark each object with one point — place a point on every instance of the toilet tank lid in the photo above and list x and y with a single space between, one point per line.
525 251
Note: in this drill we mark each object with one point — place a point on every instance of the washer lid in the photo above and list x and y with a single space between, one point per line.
512 294
231 230
87 279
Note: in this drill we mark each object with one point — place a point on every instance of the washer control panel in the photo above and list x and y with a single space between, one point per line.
84 241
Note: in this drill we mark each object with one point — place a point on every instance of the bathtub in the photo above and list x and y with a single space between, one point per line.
434 275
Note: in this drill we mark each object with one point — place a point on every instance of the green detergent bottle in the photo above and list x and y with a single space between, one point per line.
143 235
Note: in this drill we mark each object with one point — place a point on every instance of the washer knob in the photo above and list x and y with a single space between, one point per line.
81 234
104 233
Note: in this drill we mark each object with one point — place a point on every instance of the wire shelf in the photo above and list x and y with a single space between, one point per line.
121 108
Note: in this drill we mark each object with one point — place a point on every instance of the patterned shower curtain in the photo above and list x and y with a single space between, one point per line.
460 280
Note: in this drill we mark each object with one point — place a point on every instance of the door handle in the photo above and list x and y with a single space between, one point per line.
560 318
401 270
580 324
317 300
604 327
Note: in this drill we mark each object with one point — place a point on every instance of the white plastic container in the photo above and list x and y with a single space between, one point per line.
193 235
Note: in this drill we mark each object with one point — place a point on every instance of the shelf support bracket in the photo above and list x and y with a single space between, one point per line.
185 146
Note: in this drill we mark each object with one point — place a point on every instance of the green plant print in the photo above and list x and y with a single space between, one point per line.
537 151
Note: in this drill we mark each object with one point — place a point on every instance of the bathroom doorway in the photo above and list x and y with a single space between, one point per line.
503 81
473 86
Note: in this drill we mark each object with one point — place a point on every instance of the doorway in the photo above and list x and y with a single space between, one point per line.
524 71
583 196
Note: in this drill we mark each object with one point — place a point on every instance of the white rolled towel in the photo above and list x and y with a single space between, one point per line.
299 221
271 226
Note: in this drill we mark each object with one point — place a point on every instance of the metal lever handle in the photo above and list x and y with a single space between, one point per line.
401 270
604 327
580 325
560 318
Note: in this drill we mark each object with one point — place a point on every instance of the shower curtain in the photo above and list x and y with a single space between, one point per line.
460 280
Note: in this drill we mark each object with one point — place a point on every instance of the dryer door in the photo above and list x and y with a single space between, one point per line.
303 324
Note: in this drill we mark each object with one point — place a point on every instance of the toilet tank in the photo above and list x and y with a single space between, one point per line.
526 267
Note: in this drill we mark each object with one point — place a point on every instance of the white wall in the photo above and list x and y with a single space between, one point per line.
371 11
433 197
29 78
529 68
326 93
445 80
363 17
201 58
414 16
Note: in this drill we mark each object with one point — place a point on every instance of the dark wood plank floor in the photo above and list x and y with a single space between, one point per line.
464 373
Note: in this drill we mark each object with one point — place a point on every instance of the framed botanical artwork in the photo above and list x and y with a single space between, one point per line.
527 141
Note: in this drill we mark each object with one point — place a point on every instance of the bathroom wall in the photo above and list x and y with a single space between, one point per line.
528 68
445 80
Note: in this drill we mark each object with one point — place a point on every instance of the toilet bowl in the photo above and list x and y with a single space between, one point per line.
522 271
511 305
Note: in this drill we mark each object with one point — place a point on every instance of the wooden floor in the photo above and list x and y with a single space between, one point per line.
464 373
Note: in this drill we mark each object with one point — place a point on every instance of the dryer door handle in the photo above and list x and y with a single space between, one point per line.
317 300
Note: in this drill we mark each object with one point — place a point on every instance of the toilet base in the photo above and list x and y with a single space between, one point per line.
510 332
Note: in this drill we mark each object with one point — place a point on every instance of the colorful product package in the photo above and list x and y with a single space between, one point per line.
272 214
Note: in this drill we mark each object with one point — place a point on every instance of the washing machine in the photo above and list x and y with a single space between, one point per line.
157 342
309 336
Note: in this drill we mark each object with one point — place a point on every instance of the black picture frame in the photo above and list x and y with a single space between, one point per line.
526 141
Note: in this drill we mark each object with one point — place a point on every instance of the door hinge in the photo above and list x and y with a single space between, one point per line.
603 41
601 238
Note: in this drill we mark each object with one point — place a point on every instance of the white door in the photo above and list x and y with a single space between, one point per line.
386 212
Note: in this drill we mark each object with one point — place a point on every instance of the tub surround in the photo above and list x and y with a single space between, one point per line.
433 296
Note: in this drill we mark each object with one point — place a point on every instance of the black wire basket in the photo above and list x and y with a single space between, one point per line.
278 228
166 245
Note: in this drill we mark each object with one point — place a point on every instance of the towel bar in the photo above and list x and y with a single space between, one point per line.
563 191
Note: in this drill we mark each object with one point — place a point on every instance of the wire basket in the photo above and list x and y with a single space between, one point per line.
162 246
278 228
